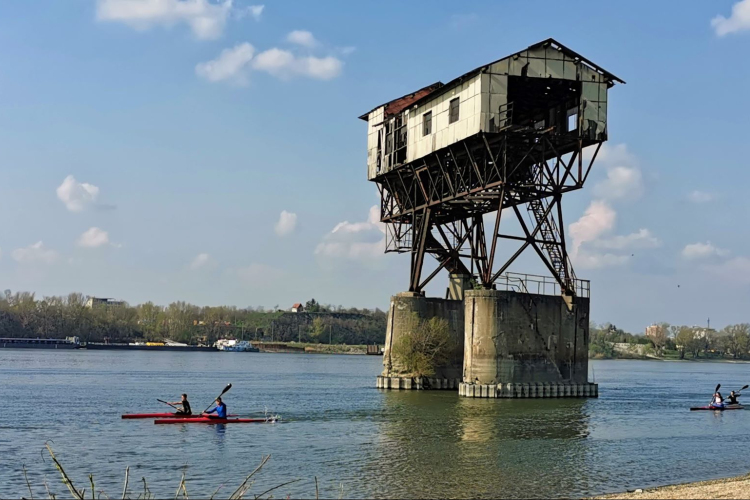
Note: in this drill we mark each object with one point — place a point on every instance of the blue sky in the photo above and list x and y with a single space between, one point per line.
151 146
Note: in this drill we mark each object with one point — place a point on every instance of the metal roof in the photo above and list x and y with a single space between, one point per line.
438 88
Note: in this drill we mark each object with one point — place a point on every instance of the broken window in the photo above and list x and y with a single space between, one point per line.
453 112
572 120
427 123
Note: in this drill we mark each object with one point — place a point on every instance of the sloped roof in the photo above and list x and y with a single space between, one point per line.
438 88
397 105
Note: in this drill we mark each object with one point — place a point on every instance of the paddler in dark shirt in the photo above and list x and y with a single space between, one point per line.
732 399
185 406
220 409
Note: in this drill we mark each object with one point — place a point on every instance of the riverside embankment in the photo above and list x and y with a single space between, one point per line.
732 488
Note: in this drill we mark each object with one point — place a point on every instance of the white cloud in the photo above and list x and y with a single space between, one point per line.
739 20
301 37
700 197
205 18
76 195
235 64
284 64
35 254
253 11
286 223
699 250
598 219
621 182
231 65
624 178
641 239
362 241
93 238
589 232
201 260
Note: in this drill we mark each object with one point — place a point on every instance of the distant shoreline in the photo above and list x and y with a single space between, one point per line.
652 358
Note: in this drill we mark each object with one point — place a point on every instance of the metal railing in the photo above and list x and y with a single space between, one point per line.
540 285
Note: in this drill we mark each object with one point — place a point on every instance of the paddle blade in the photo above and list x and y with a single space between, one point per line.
744 387
717 388
229 386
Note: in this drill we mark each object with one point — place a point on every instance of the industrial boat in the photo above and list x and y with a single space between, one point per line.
235 345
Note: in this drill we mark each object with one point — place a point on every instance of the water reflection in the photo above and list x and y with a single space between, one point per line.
439 445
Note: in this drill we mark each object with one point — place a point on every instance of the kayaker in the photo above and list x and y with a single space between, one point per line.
220 409
185 406
732 399
718 401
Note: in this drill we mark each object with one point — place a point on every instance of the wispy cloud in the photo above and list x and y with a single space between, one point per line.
235 65
302 37
286 224
230 66
738 21
94 238
35 254
361 241
700 197
700 250
201 261
253 11
624 179
593 246
205 18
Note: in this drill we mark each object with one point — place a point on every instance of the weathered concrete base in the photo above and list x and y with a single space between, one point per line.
417 383
404 307
531 390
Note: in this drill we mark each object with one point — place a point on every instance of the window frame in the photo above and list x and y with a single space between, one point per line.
451 118
427 123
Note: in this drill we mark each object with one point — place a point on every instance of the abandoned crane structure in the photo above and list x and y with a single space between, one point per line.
508 135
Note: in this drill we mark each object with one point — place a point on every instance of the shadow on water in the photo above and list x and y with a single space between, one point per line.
439 445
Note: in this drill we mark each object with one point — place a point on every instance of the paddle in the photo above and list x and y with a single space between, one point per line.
737 393
229 386
170 404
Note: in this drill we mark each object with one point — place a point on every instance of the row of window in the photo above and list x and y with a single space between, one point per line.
452 117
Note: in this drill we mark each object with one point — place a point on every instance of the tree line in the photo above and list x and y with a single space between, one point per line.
732 341
22 314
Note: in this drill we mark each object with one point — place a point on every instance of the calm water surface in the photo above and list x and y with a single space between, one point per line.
338 427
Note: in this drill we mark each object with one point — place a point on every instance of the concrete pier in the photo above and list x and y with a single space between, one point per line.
533 390
525 345
403 306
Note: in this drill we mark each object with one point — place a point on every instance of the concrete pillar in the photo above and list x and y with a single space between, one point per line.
457 285
403 306
524 338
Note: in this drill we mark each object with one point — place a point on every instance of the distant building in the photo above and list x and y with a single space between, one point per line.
701 333
103 302
655 330
296 308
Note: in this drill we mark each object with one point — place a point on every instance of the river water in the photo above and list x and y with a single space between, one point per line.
357 441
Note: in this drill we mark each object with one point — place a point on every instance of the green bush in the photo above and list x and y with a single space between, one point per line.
424 346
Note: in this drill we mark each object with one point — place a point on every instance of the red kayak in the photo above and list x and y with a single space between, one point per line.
162 415
716 408
209 420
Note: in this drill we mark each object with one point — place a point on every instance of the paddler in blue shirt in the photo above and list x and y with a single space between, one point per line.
220 409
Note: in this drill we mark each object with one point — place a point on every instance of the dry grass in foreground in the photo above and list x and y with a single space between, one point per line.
733 487
144 493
